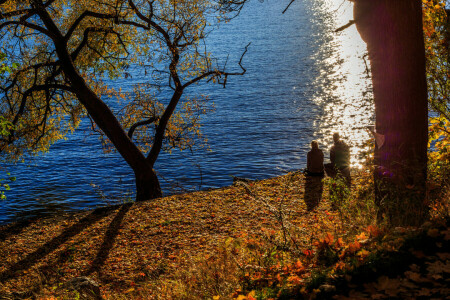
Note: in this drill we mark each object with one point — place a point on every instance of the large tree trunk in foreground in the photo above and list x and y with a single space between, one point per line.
393 32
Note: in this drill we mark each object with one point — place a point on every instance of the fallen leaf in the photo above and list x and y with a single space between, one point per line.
433 232
413 276
443 256
437 267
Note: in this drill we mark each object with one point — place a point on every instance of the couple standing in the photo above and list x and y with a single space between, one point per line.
339 156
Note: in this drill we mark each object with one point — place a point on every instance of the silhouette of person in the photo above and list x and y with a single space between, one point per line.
315 161
314 175
340 159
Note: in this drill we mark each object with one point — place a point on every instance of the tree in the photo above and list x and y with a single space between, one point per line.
394 36
66 48
5 127
437 38
436 25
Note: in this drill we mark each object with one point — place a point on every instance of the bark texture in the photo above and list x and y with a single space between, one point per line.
147 185
393 32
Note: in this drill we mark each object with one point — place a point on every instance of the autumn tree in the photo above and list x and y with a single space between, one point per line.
66 49
5 127
394 36
437 45
436 25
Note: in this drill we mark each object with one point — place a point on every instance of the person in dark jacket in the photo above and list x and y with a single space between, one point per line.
315 161
340 153
314 175
340 159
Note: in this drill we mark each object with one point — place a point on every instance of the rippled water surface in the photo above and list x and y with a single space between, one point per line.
303 82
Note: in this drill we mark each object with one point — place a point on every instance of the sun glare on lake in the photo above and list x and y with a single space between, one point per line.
348 102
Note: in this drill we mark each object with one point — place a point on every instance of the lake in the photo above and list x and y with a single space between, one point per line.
303 82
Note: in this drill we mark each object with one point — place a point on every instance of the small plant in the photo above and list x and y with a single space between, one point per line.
5 186
5 128
339 191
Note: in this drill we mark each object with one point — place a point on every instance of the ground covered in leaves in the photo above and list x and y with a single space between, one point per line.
406 264
124 246
232 242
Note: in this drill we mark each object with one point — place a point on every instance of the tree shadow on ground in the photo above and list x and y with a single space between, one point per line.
14 229
52 245
108 241
313 191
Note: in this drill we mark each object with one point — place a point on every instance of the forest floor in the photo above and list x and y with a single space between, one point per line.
212 245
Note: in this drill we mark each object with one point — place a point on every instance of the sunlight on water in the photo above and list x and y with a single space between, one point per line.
347 96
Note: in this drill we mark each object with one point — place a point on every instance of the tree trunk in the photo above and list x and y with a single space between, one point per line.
393 32
147 185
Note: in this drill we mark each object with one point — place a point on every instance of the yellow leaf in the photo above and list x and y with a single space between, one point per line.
363 253
251 295
362 236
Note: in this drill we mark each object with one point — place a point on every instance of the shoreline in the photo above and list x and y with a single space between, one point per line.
26 220
106 207
96 243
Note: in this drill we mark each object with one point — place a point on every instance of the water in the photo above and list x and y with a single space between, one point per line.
303 82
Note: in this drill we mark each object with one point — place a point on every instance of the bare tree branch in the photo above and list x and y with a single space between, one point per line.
350 23
14 13
292 1
84 15
220 73
28 25
28 93
141 123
